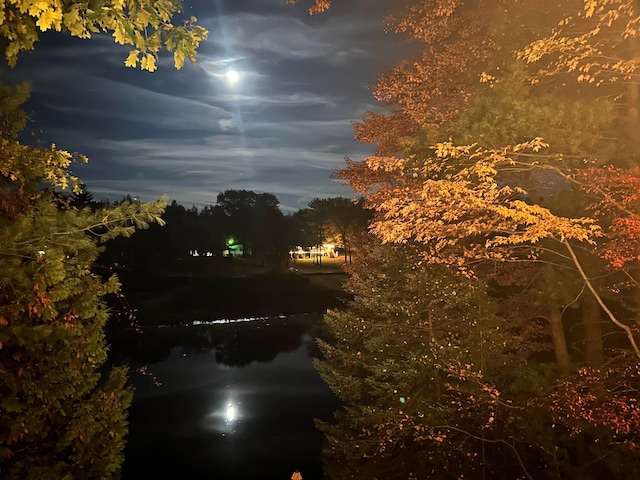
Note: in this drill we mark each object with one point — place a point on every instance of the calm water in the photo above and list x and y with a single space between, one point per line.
235 401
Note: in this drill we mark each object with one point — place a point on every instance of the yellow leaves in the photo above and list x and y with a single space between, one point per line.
23 164
591 44
486 78
74 22
472 212
132 59
148 62
534 223
48 19
386 164
536 145
447 149
178 58
34 8
120 35
586 78
147 27
49 15
589 8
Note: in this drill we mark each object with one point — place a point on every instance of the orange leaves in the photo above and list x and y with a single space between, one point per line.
618 208
435 85
386 164
320 6
601 398
39 303
68 321
385 130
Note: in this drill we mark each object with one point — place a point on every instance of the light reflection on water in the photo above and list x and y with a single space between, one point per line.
236 401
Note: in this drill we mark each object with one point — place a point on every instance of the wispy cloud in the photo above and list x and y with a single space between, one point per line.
282 128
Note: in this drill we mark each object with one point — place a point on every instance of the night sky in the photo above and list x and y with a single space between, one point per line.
190 134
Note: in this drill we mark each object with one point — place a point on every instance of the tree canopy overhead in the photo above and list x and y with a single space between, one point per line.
145 25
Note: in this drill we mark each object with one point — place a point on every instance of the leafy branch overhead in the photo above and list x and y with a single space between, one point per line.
145 25
319 6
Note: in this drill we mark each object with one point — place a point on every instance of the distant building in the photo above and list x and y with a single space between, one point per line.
235 250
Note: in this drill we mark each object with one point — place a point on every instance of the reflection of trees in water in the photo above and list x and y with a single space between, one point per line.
235 344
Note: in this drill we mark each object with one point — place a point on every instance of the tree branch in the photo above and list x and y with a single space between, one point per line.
591 288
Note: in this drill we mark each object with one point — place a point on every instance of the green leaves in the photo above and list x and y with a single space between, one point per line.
57 416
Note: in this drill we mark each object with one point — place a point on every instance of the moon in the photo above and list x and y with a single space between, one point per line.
233 76
231 413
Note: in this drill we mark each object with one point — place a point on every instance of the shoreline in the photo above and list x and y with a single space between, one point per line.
171 299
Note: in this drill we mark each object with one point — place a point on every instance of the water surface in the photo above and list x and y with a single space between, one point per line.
235 401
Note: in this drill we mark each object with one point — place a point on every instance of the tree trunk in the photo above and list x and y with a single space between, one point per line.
591 323
559 341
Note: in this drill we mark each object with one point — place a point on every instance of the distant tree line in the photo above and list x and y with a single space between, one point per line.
239 217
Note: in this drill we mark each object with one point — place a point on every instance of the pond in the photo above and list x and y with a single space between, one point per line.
225 400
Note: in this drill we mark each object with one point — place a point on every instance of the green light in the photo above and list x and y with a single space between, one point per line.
230 241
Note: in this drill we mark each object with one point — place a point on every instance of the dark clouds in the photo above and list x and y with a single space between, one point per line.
190 134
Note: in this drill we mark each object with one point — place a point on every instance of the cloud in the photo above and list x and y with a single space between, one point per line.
332 42
282 128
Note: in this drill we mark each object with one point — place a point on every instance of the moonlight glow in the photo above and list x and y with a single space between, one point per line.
233 76
231 413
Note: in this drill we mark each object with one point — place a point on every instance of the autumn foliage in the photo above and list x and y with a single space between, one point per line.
618 207
491 183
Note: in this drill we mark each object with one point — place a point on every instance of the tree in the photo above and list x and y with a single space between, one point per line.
465 177
143 24
414 358
535 187
317 217
62 415
275 241
346 221
598 46
618 201
82 199
247 215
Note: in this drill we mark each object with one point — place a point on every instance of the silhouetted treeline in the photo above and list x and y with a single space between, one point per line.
241 223
248 222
